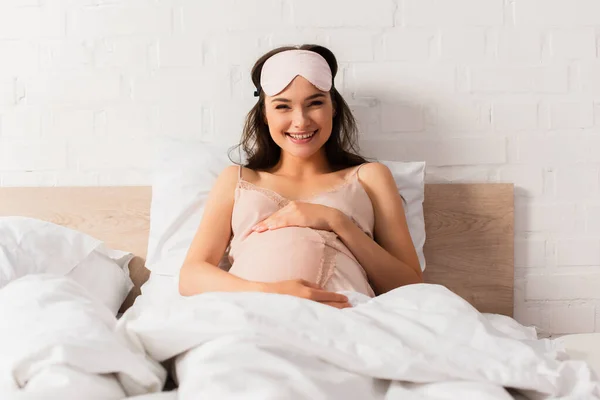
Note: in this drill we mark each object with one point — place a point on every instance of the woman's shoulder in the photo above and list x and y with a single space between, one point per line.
236 170
224 186
228 178
248 174
373 170
376 176
229 173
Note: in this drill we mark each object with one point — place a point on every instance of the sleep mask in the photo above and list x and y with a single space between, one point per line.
281 69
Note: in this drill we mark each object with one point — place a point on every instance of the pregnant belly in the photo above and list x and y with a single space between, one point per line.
281 254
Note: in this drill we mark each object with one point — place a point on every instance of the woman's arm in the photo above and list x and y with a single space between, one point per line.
391 260
200 272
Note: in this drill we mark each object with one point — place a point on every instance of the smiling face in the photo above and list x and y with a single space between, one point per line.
300 118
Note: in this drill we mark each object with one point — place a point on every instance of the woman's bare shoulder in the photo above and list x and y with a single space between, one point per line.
375 167
251 175
229 173
227 180
376 176
374 170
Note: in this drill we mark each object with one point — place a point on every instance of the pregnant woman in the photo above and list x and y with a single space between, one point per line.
306 215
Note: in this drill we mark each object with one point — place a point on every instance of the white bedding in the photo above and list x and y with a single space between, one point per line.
417 342
58 342
582 346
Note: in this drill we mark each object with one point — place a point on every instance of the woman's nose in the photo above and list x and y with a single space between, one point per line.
300 119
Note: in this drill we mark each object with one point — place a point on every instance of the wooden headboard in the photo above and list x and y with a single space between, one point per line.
470 242
469 246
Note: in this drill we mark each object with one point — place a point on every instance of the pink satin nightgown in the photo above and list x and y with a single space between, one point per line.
298 252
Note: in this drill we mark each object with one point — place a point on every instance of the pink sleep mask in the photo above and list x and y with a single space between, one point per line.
279 71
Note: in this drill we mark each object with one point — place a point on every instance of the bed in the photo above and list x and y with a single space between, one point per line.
469 246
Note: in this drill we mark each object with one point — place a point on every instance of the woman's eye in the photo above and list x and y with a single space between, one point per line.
314 103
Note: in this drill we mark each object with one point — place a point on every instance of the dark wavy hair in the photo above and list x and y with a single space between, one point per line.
262 153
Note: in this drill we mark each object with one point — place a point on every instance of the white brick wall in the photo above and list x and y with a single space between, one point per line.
483 90
548 13
453 13
407 44
573 43
7 91
517 45
463 45
519 79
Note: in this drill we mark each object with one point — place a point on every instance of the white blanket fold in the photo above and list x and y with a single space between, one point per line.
419 340
56 341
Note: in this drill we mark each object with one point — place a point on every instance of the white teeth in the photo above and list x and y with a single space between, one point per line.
299 137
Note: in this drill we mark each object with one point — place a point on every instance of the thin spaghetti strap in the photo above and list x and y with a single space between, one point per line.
240 174
355 173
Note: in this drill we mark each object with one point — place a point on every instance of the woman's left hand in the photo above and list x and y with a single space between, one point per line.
297 213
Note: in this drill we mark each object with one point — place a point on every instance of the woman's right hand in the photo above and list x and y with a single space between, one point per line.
307 290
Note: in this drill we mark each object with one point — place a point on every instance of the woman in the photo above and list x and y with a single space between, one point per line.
306 216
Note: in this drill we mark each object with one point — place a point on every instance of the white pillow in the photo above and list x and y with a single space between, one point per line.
31 246
185 172
410 181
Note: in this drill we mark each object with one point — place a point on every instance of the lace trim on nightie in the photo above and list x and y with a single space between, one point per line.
281 202
327 267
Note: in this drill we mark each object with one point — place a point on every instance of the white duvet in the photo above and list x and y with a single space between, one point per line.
58 342
417 342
